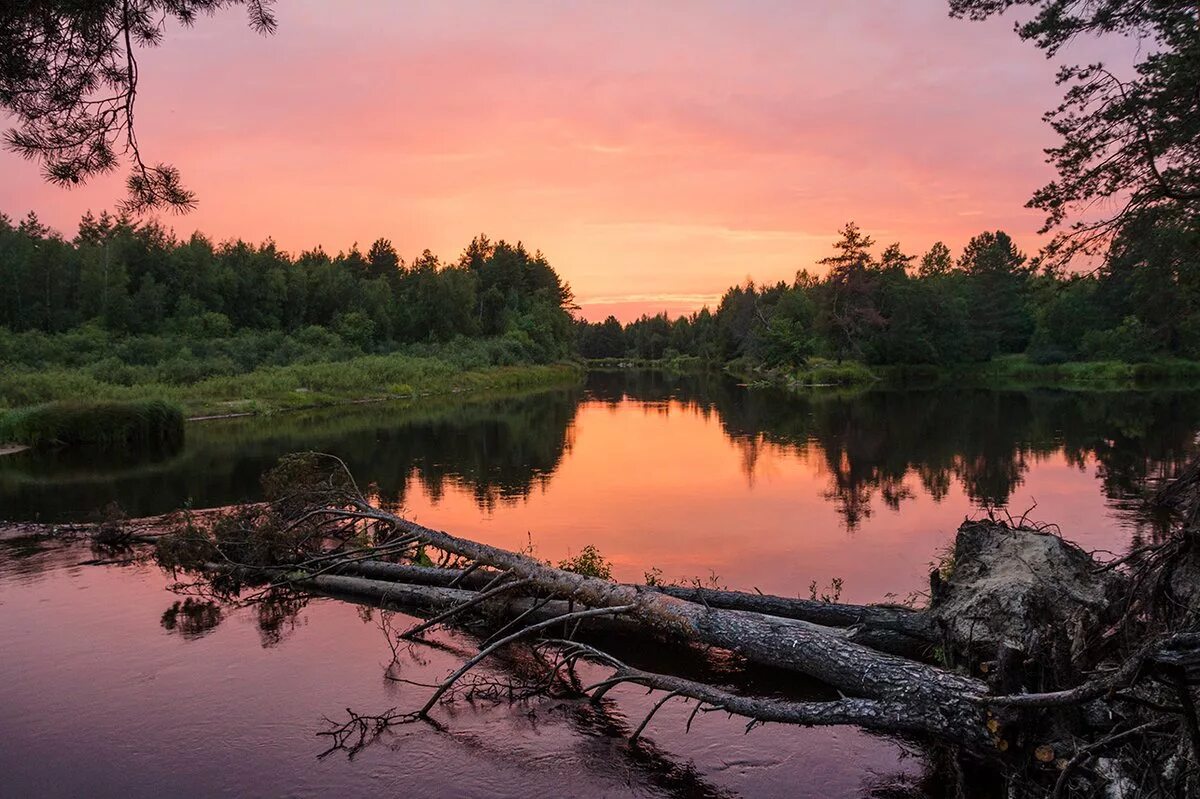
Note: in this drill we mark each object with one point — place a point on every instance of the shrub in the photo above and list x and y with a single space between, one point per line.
821 372
589 562
151 424
1048 355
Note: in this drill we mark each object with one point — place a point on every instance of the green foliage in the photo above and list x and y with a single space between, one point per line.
126 311
823 372
891 315
135 287
202 387
589 562
148 424
1130 137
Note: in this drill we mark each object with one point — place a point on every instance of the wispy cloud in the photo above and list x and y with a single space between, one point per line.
656 152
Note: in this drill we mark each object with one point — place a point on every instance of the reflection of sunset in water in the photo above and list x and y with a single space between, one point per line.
662 485
690 474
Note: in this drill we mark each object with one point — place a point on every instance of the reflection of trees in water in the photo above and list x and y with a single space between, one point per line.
874 445
192 617
499 450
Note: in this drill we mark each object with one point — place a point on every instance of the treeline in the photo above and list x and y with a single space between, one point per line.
128 286
894 308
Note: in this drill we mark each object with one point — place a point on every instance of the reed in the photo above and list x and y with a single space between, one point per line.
144 424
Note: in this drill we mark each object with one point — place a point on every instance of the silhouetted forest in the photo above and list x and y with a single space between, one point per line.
1141 303
126 294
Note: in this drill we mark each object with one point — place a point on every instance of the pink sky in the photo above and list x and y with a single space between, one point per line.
656 153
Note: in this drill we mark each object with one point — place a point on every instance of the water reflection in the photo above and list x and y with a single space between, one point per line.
871 443
499 450
871 450
683 473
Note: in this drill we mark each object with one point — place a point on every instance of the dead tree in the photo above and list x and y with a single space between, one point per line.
1034 658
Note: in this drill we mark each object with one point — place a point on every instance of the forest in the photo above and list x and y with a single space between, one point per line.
121 277
132 304
125 304
881 307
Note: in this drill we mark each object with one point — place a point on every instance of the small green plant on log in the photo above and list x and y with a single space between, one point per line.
589 562
831 593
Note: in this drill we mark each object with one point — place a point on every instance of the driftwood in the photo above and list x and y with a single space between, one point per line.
1041 676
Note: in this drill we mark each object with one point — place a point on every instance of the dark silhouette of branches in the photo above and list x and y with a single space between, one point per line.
69 74
1130 146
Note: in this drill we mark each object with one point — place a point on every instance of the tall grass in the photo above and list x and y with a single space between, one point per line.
1020 370
422 369
142 424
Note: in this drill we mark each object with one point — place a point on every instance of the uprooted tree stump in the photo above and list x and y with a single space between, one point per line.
1053 673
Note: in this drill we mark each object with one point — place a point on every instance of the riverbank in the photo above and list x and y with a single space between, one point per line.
274 389
1011 371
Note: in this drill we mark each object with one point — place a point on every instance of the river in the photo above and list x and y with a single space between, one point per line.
108 687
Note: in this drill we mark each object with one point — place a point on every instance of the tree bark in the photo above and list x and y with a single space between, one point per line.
899 631
938 702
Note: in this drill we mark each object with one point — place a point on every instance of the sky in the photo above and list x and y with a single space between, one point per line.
656 153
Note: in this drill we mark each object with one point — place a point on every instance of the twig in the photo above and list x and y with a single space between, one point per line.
483 653
1088 752
474 601
666 698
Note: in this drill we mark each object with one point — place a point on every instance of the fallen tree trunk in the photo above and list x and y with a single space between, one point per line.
1031 612
829 614
938 702
895 630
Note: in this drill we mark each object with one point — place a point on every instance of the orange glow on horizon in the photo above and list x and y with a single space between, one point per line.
656 155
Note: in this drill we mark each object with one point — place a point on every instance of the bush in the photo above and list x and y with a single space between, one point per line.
822 372
149 424
589 562
1131 341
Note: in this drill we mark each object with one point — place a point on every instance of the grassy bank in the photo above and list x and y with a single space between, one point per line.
258 371
309 376
678 363
1014 371
1019 370
277 388
139 424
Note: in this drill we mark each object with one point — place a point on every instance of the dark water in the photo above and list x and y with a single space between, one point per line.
105 691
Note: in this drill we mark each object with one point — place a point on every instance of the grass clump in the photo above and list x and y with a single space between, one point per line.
822 372
141 424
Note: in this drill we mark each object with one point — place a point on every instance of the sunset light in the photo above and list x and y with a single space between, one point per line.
560 399
656 153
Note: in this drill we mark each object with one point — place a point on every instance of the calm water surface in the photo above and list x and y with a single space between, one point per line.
104 691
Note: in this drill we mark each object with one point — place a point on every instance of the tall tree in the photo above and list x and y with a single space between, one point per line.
382 260
1130 143
850 311
937 261
998 276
